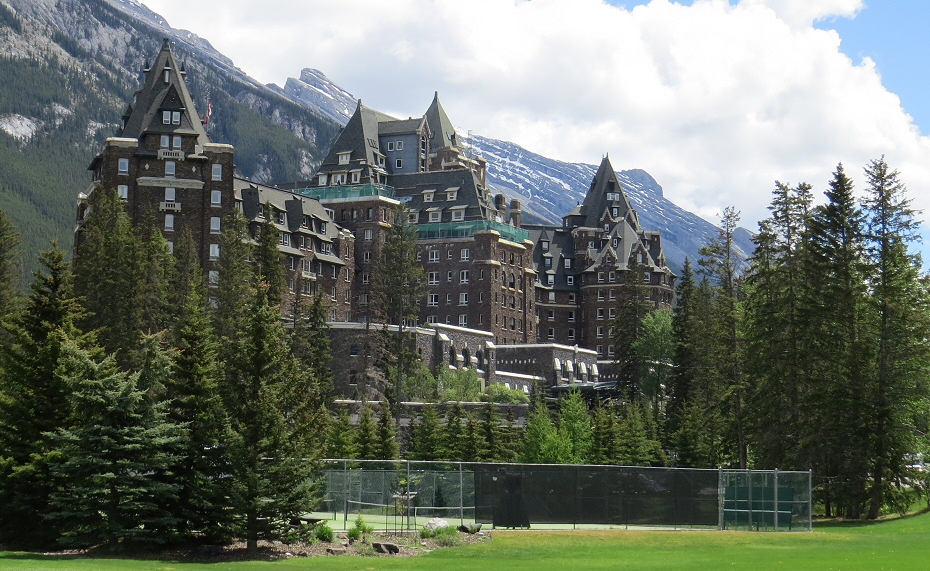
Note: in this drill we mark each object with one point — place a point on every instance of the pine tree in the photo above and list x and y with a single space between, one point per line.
899 386
511 438
685 358
9 267
603 436
233 292
154 272
633 446
309 340
271 417
493 440
387 447
575 426
471 440
34 400
113 459
399 285
426 437
452 442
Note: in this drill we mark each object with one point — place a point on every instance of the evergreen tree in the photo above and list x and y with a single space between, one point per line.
398 287
195 402
366 436
685 340
511 438
471 440
898 390
34 400
233 292
834 415
271 416
113 459
575 427
603 436
453 446
387 447
269 261
542 442
656 350
9 267
426 436
634 447
341 440
633 305
309 340
153 275
721 263
493 439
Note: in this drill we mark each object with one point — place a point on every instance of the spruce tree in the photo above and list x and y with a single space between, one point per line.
603 436
471 440
195 402
366 436
542 442
9 267
233 293
271 418
685 357
493 439
426 436
341 440
633 305
575 426
387 446
309 340
112 459
34 400
453 445
269 261
897 396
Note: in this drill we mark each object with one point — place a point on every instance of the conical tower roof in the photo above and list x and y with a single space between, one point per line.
441 126
605 193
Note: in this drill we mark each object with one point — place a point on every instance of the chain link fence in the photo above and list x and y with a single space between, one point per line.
402 495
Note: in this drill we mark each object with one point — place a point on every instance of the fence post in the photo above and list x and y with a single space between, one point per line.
721 498
776 499
345 495
461 496
810 500
409 500
749 479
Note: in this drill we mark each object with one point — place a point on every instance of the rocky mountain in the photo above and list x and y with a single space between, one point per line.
548 188
69 70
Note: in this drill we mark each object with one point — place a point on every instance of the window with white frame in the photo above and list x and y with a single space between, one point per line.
568 263
600 313
123 166
431 319
170 194
214 252
390 145
399 145
570 280
166 118
433 299
600 332
368 235
217 171
451 195
612 313
169 222
547 262
600 295
413 217
366 256
458 215
464 254
356 177
363 299
344 158
366 277
434 255
463 298
550 279
463 276
323 180
399 163
284 238
551 297
433 278
170 246
123 191
611 276
571 334
213 277
551 315
571 298
348 275
449 276
550 333
165 140
175 117
215 225
216 198
448 298
428 196
435 216
176 142
463 320
571 316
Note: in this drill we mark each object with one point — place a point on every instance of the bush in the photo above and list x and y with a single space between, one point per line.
444 536
361 530
323 532
501 394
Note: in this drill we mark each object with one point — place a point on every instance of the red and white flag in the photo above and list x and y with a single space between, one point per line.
206 120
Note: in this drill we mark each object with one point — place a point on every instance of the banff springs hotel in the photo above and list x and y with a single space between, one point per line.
518 303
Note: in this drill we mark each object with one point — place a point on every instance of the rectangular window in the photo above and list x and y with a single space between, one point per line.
435 216
175 117
550 279
323 179
214 224
390 145
123 191
568 263
463 320
600 332
217 171
284 239
458 215
412 217
169 168
463 298
600 313
434 255
433 278
463 276
571 298
335 271
165 139
612 313
450 195
169 222
448 298
366 277
646 277
214 252
368 235
356 177
348 275
332 296
545 245
548 262
571 334
166 119
216 197
449 277
600 277
366 256
123 165
551 297
431 319
399 163
176 143
213 277
433 299
570 280
465 254
550 333
428 196
611 277
600 295
571 316
169 195
363 299
399 145
551 315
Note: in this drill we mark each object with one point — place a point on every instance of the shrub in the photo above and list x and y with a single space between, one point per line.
501 394
361 530
444 536
323 532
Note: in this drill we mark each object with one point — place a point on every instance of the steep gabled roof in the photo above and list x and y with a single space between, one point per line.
359 137
157 95
596 203
443 132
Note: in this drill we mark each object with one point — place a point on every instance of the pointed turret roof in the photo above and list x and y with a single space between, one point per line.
596 202
443 132
163 89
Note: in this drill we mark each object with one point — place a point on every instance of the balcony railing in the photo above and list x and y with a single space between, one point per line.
173 155
468 229
346 191
169 206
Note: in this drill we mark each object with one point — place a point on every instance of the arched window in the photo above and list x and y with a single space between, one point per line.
466 357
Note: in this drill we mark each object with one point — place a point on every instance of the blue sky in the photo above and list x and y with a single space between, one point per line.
891 32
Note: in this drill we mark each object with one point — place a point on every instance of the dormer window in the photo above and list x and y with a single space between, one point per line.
545 245
344 158
568 263
323 179
356 176
428 196
611 196
167 76
175 117
450 195
166 117
615 212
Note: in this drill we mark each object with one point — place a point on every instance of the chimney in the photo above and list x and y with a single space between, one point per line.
516 213
500 203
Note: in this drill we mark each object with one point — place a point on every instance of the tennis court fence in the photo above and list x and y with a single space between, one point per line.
402 495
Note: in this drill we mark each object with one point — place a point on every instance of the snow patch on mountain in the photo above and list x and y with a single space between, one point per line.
318 92
19 127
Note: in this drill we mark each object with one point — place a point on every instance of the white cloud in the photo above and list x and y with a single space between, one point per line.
715 101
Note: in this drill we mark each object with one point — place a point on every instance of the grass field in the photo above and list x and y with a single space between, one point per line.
902 544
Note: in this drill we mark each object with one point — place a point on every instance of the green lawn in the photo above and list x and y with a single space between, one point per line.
902 544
